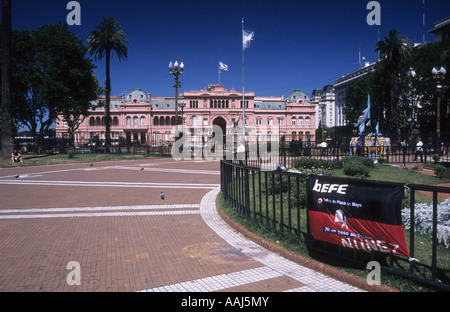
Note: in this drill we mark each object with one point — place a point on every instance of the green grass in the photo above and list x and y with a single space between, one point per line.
389 173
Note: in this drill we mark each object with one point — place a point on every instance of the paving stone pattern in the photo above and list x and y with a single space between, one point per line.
110 219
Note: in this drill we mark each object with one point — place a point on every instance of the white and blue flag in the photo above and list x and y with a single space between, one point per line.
365 115
362 128
223 66
247 37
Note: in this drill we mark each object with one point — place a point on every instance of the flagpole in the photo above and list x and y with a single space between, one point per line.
243 85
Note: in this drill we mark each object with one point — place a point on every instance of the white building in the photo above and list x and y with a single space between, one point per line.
324 101
341 85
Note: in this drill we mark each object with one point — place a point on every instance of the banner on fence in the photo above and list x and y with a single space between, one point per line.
359 215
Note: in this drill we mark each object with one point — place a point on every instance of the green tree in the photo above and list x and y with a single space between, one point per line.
78 106
393 51
7 125
51 76
107 39
356 99
417 93
423 86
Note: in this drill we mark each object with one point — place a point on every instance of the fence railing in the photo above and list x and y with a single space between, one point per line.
390 155
163 150
277 201
398 155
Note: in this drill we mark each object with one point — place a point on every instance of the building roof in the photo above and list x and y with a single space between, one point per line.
270 105
439 25
136 94
355 75
296 95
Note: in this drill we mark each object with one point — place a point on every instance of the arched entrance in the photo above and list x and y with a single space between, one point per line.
222 123
219 121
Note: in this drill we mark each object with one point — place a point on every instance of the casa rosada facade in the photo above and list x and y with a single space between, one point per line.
138 118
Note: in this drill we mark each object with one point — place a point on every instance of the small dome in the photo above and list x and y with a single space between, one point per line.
136 94
296 95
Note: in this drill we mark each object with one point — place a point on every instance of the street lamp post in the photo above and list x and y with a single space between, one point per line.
439 75
182 105
176 70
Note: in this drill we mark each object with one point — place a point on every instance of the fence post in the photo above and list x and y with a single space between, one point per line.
388 153
247 193
309 239
404 156
434 237
412 228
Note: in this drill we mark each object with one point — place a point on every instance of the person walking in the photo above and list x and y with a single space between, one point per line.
240 152
419 150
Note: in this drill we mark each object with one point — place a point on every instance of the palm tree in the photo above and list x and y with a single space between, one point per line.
107 39
393 51
7 128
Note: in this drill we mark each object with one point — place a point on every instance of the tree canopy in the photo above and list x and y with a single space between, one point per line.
51 76
106 40
415 92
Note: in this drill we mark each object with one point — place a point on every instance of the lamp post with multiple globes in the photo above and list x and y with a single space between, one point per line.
176 70
439 75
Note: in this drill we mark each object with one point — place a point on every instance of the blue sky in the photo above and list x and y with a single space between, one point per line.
298 44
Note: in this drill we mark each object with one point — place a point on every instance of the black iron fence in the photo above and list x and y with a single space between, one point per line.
162 150
276 200
398 155
284 149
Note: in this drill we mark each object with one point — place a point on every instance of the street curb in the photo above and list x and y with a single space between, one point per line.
347 278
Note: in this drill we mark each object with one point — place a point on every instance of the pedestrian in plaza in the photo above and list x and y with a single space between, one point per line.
240 152
324 146
419 150
358 147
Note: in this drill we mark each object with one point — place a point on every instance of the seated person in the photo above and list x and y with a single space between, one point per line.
16 157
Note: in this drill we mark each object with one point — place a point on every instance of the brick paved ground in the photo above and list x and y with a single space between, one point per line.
110 219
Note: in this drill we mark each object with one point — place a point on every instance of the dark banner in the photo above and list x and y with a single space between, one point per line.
354 214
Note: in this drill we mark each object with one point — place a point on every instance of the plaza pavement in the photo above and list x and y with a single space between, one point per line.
110 219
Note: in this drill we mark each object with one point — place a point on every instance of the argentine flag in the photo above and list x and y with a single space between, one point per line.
247 37
223 66
366 114
362 128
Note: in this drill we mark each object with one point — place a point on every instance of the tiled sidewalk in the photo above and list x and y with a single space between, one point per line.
273 265
111 220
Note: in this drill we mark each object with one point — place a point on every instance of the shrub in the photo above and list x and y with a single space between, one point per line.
436 158
309 163
439 170
423 217
382 160
357 166
356 169
365 161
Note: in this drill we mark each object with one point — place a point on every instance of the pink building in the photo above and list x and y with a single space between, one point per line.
138 118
